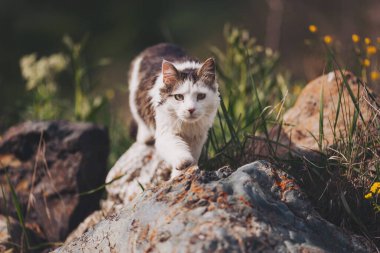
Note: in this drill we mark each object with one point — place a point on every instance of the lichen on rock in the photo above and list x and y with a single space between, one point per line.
254 209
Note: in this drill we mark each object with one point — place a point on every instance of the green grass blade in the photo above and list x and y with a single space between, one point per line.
101 187
351 214
346 84
19 213
321 121
338 108
222 127
141 186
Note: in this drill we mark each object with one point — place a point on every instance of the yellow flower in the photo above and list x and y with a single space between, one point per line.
371 50
327 39
375 190
375 75
313 28
378 40
367 41
366 63
355 38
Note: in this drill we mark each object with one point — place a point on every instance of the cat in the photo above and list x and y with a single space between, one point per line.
173 99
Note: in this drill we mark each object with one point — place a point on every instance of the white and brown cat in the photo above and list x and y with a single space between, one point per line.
173 99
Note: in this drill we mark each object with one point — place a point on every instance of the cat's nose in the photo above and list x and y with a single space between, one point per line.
191 110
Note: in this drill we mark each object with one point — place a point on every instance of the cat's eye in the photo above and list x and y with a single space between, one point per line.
178 97
201 96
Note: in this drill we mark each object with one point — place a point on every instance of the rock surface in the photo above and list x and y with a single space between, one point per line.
138 168
300 127
49 164
254 209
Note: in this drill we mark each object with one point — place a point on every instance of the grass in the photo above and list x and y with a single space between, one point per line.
250 85
255 96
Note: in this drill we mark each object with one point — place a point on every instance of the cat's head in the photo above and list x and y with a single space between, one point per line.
190 89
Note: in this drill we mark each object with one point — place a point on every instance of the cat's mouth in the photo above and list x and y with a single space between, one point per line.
192 118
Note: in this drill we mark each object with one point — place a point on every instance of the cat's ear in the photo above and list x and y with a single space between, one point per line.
170 74
207 72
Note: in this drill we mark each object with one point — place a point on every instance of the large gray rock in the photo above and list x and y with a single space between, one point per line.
138 168
254 209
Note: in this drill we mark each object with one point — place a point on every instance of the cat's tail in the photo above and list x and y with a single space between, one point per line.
132 124
138 128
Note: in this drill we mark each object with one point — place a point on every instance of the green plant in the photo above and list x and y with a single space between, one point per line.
350 165
41 80
85 103
253 93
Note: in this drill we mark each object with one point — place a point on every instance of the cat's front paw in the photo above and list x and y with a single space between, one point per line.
184 164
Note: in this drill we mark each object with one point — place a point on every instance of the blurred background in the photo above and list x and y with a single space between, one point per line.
118 30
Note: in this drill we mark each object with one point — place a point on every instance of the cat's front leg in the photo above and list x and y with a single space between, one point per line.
175 151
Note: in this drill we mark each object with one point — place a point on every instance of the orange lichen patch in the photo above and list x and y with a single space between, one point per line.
144 233
196 188
245 202
199 191
179 197
222 200
162 195
130 198
203 230
171 215
153 235
211 207
9 160
285 184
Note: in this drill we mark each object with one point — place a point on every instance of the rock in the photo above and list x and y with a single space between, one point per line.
137 169
300 127
140 167
4 233
49 164
11 234
254 209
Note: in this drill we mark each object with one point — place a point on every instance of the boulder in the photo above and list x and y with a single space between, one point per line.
257 208
137 169
299 133
49 164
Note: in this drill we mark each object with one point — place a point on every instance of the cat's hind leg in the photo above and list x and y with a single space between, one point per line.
144 134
